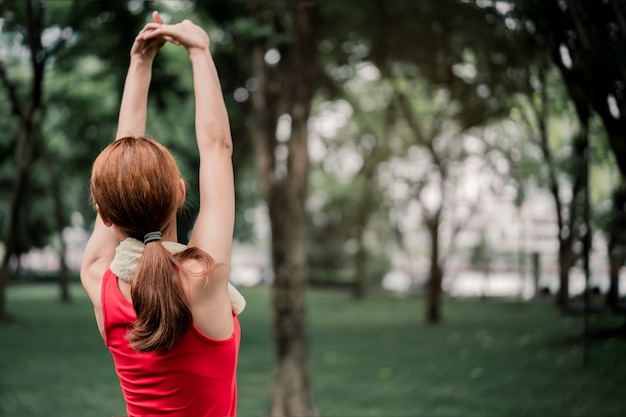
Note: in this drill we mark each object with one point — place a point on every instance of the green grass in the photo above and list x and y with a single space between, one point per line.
370 358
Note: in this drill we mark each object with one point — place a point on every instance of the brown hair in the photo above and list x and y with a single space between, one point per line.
135 183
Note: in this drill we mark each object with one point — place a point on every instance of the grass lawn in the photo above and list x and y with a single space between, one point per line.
370 358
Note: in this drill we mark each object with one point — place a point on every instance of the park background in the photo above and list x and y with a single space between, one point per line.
431 200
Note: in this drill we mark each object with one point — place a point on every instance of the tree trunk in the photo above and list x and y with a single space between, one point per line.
433 300
359 289
617 256
291 395
11 232
59 216
565 263
616 244
536 268
521 254
287 89
566 215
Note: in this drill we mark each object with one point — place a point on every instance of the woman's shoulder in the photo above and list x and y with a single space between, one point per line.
202 275
209 298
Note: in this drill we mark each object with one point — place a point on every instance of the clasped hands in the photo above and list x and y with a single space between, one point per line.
155 34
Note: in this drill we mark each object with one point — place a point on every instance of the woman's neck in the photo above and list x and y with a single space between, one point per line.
170 232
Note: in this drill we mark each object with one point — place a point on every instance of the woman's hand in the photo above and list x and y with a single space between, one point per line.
186 33
146 49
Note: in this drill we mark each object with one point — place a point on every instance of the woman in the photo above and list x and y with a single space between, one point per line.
166 312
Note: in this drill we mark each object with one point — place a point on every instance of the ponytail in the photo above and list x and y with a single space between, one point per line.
159 301
163 315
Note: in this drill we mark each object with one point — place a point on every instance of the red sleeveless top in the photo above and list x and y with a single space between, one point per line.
196 377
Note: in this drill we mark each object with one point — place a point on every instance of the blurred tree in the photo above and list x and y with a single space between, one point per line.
278 41
510 155
347 212
464 58
284 68
591 41
585 41
609 216
614 225
563 170
355 153
26 109
432 128
481 259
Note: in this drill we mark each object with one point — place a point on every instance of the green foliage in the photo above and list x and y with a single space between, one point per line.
346 199
454 45
249 27
585 41
76 105
86 66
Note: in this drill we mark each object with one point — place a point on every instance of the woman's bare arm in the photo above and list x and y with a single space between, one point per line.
133 109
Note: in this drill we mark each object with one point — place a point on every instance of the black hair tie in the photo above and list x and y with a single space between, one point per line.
151 237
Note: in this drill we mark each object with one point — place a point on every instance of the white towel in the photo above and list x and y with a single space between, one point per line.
127 256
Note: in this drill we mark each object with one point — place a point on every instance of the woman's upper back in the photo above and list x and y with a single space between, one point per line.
195 377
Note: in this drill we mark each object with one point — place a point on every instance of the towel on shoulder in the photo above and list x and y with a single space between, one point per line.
129 251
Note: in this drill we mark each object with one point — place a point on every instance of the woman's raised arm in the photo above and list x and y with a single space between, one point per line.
133 109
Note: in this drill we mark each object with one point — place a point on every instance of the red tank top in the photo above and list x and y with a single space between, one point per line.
197 377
